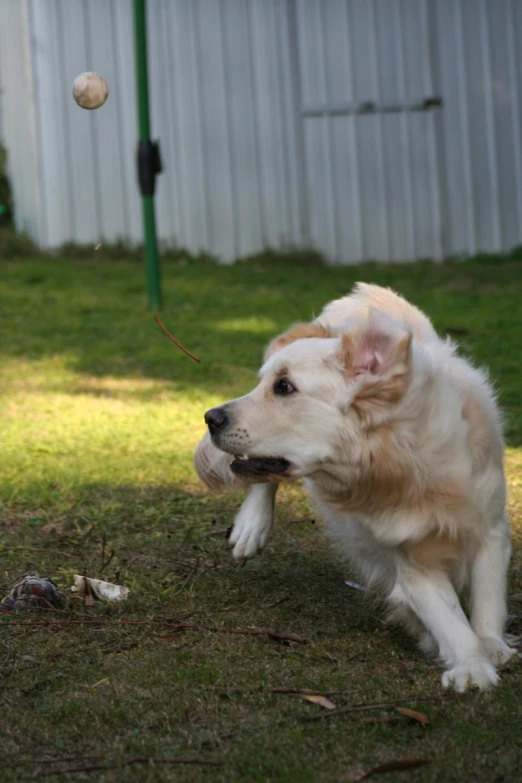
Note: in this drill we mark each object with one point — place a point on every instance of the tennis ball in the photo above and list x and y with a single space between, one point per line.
90 90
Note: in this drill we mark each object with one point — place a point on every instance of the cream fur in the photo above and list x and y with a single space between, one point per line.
399 442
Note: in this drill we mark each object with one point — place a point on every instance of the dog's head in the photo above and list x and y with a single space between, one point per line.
317 396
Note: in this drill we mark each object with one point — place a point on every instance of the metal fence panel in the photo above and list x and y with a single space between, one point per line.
18 115
282 122
373 183
479 75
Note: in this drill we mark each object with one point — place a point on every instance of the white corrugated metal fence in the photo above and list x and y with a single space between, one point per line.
368 129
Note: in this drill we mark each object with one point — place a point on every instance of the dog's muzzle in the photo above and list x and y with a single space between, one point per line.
255 468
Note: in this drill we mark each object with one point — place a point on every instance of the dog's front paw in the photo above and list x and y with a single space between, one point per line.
253 522
248 537
498 651
475 672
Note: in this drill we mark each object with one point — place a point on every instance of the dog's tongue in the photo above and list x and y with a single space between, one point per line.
259 466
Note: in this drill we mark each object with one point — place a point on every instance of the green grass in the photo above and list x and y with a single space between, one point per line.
100 417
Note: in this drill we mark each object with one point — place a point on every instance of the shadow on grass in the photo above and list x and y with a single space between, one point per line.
90 318
170 546
127 681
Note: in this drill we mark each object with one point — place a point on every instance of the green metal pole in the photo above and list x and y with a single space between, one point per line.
149 217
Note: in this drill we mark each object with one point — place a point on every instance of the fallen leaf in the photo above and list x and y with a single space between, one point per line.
351 777
398 765
321 701
286 637
420 716
166 638
303 692
383 705
395 766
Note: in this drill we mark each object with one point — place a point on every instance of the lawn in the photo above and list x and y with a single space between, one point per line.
100 417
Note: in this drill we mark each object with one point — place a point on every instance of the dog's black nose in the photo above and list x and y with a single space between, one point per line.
216 419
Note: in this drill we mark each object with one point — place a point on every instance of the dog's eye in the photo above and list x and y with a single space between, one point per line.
283 387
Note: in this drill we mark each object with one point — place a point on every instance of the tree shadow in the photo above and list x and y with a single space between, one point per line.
89 320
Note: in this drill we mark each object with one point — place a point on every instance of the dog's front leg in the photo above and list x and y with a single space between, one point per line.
433 599
254 521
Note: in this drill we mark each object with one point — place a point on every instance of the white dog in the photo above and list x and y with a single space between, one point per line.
399 442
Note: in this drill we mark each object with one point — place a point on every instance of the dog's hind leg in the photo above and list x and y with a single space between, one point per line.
488 593
433 599
403 615
253 523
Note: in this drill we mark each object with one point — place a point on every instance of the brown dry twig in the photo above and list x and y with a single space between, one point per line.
305 692
128 763
176 342
12 762
383 705
5 549
171 627
280 637
398 765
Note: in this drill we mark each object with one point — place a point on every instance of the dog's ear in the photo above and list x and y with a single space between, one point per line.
296 332
379 354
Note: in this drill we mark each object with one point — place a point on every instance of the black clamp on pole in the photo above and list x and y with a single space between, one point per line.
149 166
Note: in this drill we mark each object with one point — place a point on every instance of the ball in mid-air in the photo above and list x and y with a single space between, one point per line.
90 90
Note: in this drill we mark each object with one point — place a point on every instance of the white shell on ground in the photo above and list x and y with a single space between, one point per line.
85 587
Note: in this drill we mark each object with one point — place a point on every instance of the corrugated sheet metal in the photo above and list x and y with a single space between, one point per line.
221 104
258 107
479 72
86 158
372 187
18 115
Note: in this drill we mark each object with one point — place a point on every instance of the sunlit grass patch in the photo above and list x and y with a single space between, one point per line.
252 324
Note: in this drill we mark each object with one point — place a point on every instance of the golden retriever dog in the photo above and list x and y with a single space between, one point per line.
399 441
